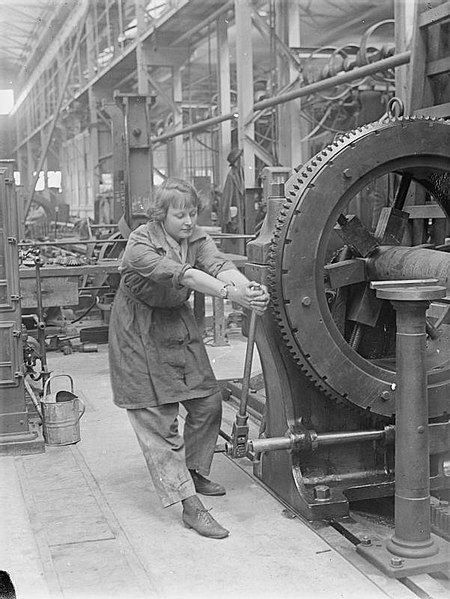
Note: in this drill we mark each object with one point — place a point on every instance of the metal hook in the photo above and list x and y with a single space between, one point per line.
395 107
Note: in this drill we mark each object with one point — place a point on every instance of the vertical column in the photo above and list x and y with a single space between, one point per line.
404 19
223 70
94 167
175 146
244 71
412 536
291 128
141 63
412 549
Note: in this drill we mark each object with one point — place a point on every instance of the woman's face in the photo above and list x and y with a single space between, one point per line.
179 222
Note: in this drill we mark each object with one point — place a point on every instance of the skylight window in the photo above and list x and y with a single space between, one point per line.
6 100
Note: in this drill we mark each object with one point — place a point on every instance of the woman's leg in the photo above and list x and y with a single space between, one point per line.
201 429
163 448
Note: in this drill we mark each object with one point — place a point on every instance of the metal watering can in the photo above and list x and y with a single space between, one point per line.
61 413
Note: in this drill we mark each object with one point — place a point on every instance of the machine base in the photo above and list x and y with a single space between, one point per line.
379 556
21 443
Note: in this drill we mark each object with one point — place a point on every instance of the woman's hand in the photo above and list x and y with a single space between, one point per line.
251 295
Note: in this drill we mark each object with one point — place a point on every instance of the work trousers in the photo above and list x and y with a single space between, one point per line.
170 455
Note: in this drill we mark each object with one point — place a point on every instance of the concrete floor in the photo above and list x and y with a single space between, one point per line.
82 521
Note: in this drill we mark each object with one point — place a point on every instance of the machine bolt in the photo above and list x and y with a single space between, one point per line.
136 132
385 396
306 301
322 493
397 562
366 541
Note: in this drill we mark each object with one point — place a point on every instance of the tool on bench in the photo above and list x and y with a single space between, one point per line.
239 434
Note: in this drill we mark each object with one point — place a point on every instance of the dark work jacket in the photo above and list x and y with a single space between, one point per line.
156 350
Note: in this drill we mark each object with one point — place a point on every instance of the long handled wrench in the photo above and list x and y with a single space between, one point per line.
239 434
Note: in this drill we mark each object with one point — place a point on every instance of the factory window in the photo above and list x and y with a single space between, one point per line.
54 179
6 100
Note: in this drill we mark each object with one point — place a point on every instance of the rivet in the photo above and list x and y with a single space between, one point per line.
306 301
347 173
420 429
385 396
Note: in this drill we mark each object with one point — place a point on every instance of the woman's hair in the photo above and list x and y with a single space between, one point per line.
176 193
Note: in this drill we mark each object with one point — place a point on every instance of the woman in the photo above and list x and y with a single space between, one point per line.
157 356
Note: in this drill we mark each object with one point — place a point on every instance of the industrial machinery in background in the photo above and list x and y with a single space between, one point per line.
328 346
14 424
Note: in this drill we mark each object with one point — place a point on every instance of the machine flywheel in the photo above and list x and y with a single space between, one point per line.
335 328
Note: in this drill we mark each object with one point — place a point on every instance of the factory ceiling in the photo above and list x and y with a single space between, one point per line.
24 26
28 26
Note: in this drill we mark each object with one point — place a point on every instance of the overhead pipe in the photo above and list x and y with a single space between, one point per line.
196 127
345 77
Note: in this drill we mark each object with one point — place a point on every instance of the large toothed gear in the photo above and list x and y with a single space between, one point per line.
414 149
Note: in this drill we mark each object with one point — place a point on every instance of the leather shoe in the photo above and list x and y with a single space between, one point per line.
203 523
203 486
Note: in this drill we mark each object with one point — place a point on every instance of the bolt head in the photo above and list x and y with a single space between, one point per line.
385 396
322 493
397 562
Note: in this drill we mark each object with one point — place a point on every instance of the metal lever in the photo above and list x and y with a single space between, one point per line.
239 434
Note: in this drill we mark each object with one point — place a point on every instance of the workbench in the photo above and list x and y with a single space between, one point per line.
60 284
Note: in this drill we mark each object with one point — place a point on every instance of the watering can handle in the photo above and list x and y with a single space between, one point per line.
82 410
55 376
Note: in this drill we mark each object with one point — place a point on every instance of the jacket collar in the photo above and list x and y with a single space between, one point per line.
157 232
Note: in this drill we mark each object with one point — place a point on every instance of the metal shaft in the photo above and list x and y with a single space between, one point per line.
402 262
309 440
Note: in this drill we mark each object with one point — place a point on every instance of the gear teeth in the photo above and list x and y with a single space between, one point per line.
277 260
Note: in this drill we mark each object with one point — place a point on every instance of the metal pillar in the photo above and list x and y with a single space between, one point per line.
244 72
175 146
137 182
291 128
223 75
412 549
